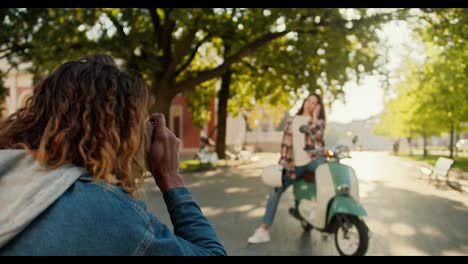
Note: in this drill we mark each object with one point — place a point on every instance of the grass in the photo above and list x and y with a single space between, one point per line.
194 165
460 162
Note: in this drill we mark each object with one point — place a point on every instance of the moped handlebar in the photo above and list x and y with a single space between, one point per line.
339 152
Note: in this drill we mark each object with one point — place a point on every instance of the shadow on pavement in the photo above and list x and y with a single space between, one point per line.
402 222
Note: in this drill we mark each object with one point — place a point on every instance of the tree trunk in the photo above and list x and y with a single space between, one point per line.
162 101
396 146
452 132
223 97
425 152
244 144
410 146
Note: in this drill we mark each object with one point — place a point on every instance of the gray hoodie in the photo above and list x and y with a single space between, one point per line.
27 189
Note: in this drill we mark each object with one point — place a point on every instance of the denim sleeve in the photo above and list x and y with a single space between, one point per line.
193 235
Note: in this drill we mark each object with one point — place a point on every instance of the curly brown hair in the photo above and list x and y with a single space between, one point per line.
89 113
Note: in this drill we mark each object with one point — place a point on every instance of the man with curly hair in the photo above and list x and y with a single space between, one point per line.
72 159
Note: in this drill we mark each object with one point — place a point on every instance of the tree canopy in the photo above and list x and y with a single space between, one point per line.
169 46
432 95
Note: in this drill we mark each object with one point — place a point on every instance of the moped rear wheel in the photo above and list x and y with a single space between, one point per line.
351 236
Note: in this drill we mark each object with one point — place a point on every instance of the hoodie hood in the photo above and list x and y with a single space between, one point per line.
27 189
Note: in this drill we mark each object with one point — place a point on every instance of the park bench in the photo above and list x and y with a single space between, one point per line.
441 168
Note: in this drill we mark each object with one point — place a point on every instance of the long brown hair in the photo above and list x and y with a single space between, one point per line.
322 108
89 113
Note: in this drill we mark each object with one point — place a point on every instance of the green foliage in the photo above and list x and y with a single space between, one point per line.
272 52
261 115
323 51
432 96
199 102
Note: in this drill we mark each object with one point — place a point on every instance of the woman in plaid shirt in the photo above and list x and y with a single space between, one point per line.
312 107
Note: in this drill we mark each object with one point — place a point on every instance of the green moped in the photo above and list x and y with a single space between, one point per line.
331 205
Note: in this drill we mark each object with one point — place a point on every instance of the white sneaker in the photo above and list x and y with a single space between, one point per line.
260 236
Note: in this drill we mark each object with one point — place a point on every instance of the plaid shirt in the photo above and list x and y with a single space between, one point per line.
287 156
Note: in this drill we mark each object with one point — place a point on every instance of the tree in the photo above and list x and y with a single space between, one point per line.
166 46
161 43
432 97
412 113
260 116
321 54
17 29
445 33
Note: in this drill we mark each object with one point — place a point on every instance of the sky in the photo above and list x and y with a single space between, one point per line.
361 102
367 99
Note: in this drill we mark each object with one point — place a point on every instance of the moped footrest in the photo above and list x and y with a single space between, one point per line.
293 211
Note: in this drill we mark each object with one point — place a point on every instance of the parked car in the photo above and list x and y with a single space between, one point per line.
462 144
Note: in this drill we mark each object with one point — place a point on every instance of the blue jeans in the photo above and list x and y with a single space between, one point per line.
275 195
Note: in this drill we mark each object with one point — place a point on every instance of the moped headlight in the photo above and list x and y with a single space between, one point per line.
343 189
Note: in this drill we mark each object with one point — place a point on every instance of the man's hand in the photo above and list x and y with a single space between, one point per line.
162 154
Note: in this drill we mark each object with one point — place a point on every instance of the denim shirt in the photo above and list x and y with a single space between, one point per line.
97 219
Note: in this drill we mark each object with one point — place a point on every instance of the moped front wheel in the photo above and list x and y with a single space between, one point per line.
351 236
